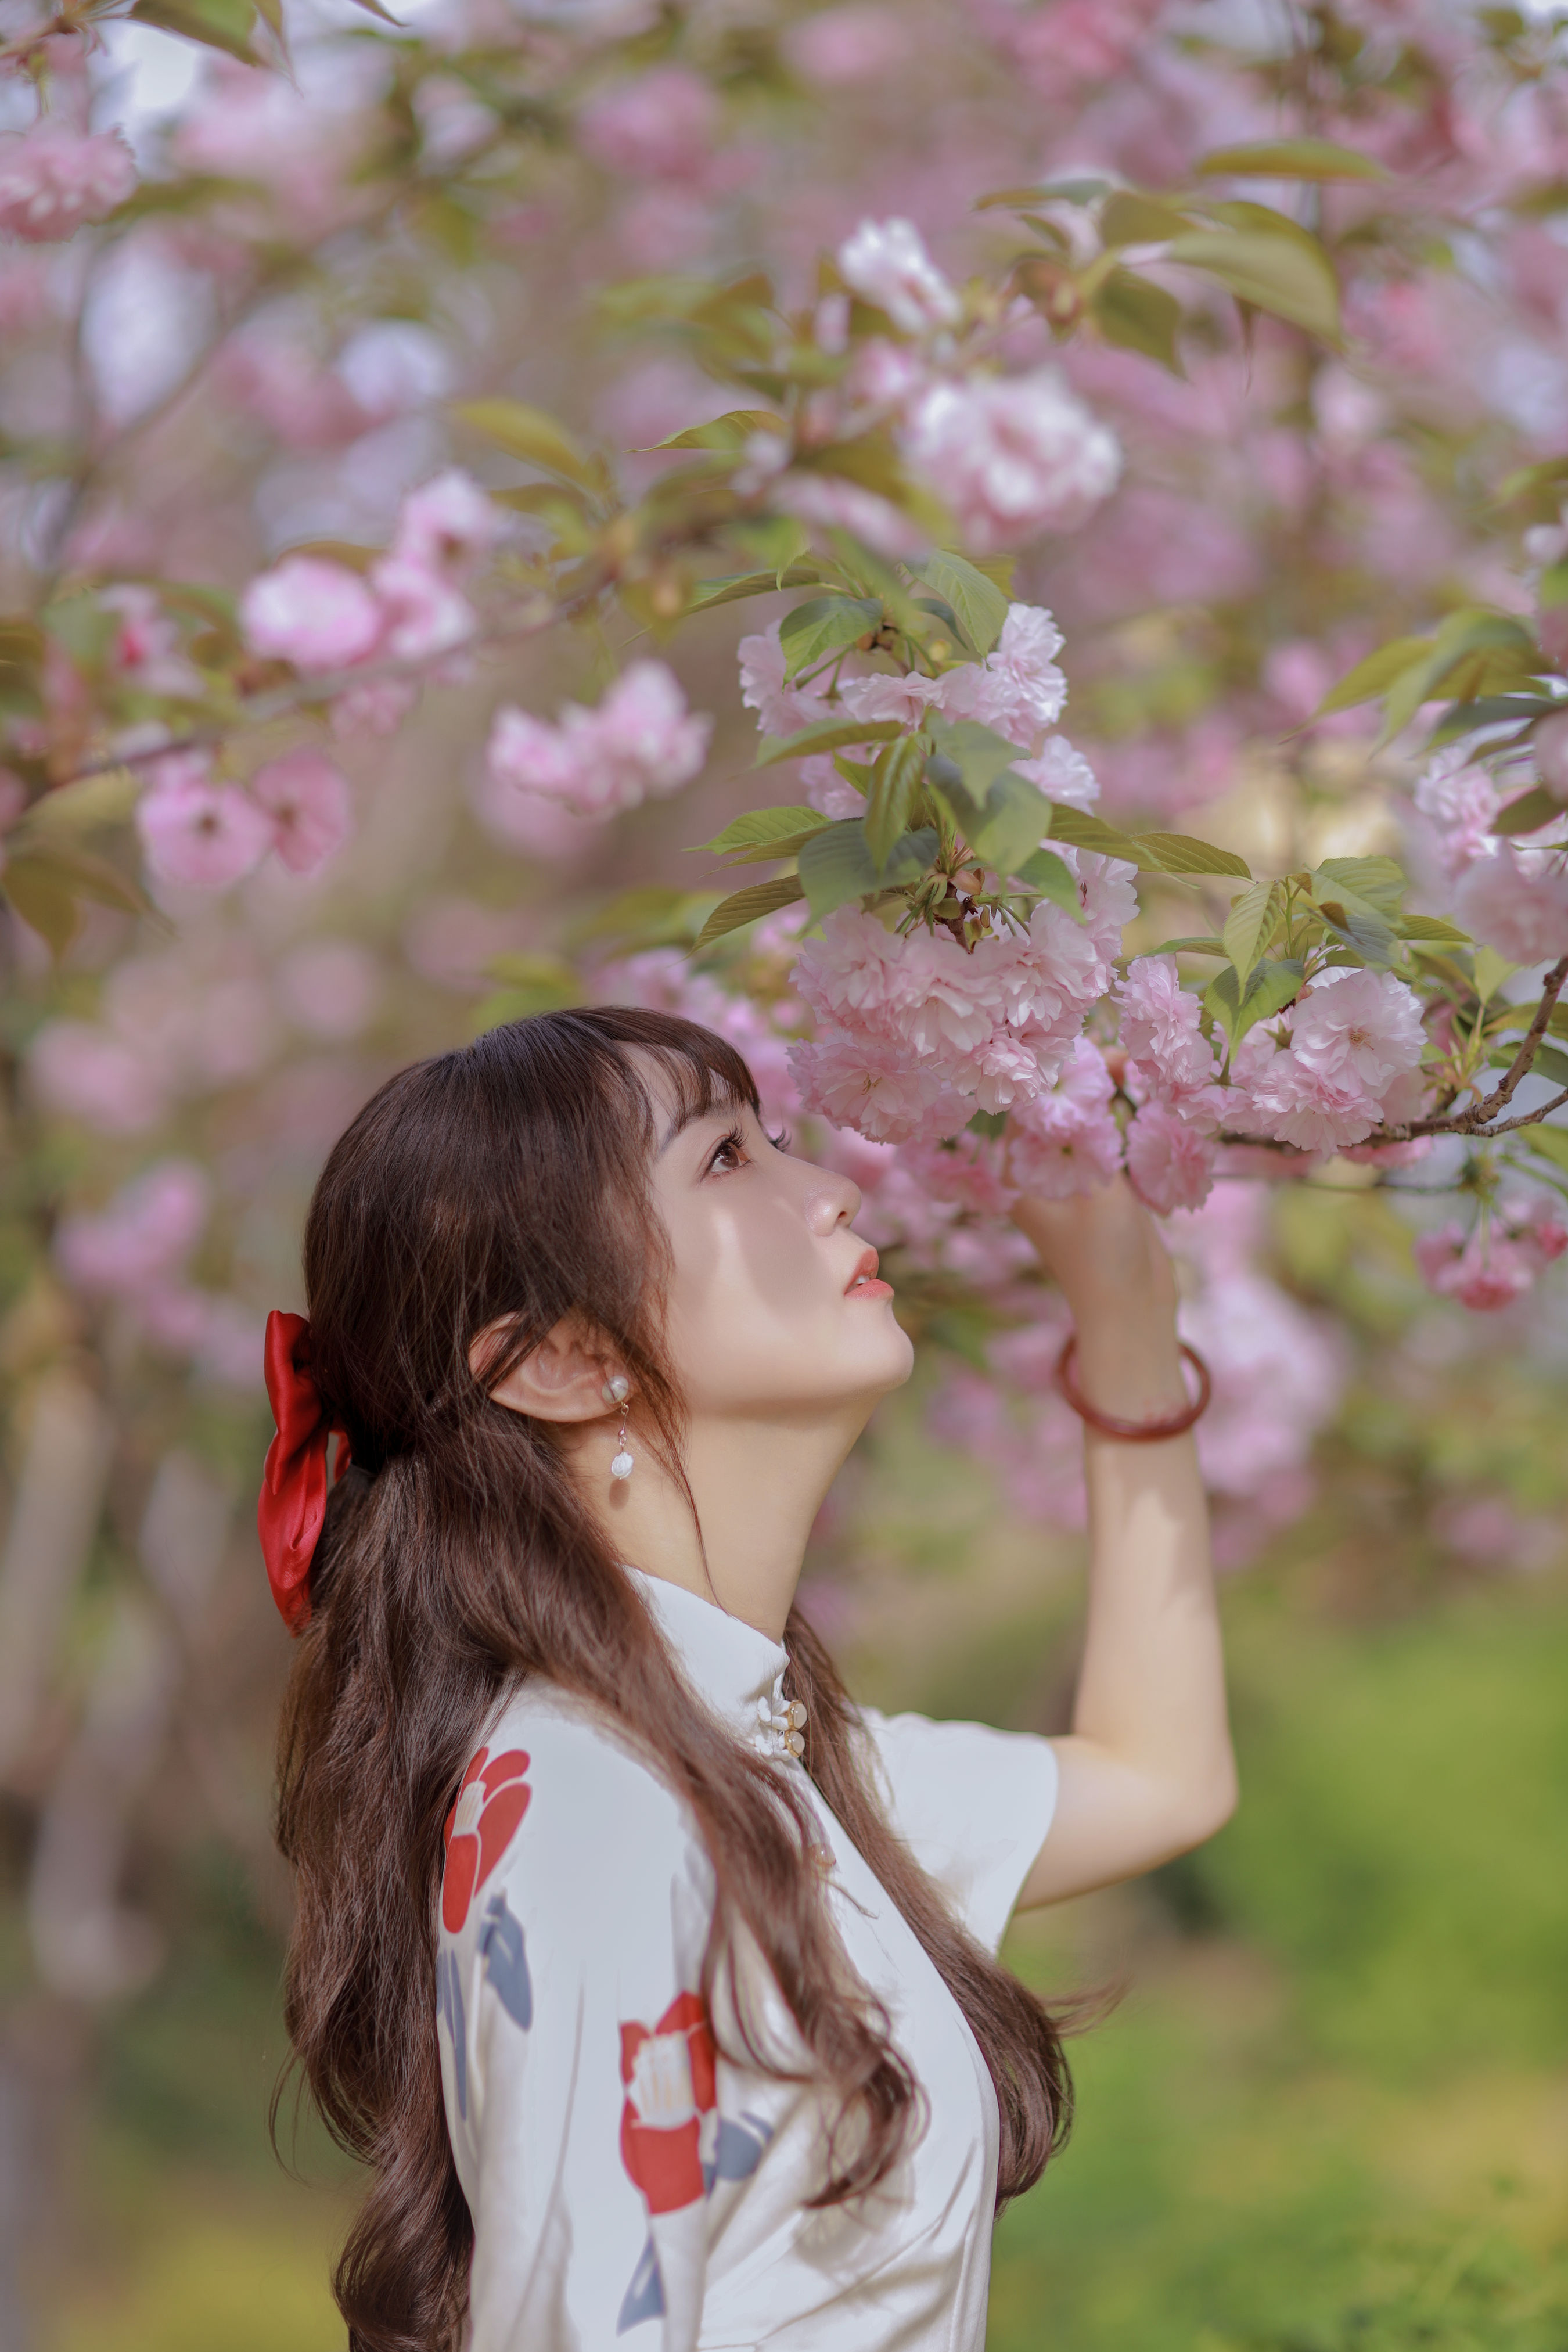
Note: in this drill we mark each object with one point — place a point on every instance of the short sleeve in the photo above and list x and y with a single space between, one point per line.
577 2058
971 1803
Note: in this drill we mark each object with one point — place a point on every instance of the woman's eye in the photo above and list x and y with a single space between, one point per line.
730 1155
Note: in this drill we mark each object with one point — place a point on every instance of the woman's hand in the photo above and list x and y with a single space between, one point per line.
1104 1251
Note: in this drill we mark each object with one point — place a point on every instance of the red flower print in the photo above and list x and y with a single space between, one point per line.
490 1804
672 2094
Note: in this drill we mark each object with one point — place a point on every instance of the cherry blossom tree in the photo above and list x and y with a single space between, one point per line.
1115 456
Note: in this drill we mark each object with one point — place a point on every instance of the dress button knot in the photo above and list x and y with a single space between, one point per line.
781 1723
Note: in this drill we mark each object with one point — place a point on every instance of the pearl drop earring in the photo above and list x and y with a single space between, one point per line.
623 1465
616 1391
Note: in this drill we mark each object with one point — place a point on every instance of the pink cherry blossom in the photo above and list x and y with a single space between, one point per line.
82 1071
1170 1164
1065 1141
147 647
1360 1027
862 1082
52 179
1459 800
886 262
653 744
316 615
425 614
309 802
640 743
1516 900
1484 1271
1161 1030
199 834
1011 456
147 1230
969 1172
1294 1104
781 709
445 521
1062 773
661 126
1018 689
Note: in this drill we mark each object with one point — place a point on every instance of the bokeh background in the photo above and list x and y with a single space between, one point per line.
1330 2107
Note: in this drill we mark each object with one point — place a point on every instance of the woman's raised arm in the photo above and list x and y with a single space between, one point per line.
1147 1770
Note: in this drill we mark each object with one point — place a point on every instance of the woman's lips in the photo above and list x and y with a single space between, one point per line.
863 1282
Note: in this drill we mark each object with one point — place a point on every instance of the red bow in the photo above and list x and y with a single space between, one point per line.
293 1501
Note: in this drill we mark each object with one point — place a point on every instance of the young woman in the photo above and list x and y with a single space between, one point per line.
655 1980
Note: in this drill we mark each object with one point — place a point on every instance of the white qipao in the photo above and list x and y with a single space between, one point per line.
628 2181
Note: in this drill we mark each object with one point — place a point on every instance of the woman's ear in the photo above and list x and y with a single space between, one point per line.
563 1379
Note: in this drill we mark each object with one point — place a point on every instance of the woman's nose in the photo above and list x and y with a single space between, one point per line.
834 1200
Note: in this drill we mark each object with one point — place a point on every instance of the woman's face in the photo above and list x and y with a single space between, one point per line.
774 1301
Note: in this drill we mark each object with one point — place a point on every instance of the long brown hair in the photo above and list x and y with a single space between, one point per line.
510 1179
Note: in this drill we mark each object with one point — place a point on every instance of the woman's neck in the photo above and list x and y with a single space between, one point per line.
757 1487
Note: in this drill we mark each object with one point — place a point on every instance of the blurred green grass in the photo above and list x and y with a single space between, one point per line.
1330 2112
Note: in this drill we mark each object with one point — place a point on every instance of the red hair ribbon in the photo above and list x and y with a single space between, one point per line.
293 1501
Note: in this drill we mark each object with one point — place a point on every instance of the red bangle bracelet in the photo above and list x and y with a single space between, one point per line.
1136 1433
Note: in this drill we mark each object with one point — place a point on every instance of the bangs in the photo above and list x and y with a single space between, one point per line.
704 1071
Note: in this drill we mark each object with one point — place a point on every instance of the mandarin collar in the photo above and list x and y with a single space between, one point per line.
737 1671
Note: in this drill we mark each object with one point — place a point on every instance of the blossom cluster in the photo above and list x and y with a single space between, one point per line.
1511 894
1010 457
1498 1259
409 608
639 743
916 1035
54 179
134 1254
200 833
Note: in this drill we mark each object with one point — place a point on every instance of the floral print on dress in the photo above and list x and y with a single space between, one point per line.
675 2144
491 1802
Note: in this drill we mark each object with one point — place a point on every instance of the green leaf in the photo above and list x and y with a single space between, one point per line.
1492 969
1204 945
1527 813
740 584
1492 711
726 433
1136 315
745 905
836 865
225 24
1433 926
1182 852
1550 1062
1272 987
1079 830
80 807
892 796
823 625
1083 190
1273 273
1375 675
1379 880
1357 922
1129 217
531 436
1468 631
824 735
650 915
980 605
1247 926
1001 816
759 828
1290 159
1046 872
1551 1142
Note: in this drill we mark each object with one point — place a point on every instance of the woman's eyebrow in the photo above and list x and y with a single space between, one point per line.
691 1113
